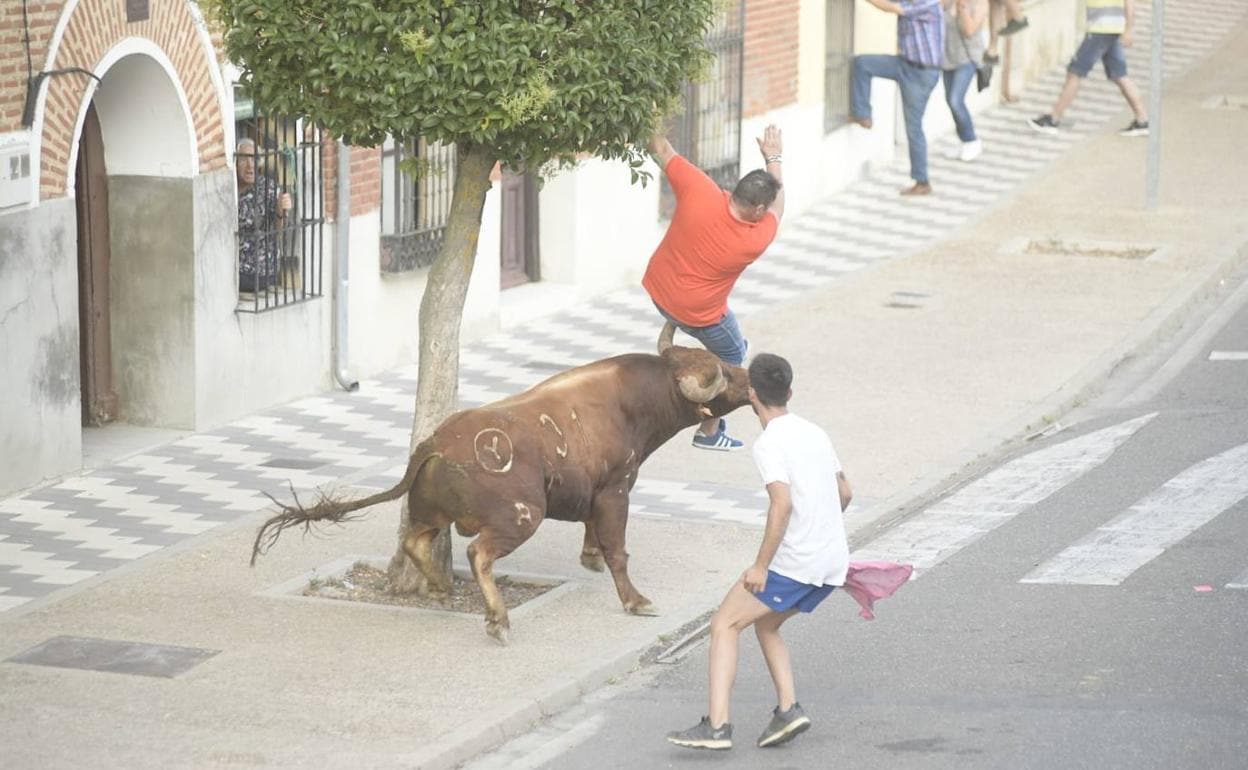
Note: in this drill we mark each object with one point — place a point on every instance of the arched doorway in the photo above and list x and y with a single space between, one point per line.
133 181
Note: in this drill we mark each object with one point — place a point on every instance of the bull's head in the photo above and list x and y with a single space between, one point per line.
716 388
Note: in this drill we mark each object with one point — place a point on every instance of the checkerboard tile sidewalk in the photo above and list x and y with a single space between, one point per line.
79 527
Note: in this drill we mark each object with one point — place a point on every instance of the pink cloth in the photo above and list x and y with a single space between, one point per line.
868 581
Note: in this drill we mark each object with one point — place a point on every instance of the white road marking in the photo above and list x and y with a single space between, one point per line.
1239 582
932 536
1108 555
1229 355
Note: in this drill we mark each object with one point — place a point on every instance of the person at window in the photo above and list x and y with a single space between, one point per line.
713 237
262 209
916 70
964 53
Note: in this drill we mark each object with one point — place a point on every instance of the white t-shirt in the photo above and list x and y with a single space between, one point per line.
797 452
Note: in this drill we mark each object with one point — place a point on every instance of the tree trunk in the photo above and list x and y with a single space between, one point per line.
441 311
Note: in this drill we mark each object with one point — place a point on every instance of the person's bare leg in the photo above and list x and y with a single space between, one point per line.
739 610
709 426
776 653
1132 94
995 11
1067 96
1014 9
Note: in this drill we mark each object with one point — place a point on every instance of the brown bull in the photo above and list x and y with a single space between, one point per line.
568 448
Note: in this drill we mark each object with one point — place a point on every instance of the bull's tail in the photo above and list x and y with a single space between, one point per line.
331 509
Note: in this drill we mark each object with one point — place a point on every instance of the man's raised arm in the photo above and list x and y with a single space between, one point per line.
662 150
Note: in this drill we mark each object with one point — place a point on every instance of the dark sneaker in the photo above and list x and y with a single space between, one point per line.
703 736
1045 124
1014 25
1137 128
785 726
718 441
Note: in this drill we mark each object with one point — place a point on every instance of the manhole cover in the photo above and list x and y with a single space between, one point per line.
292 463
116 657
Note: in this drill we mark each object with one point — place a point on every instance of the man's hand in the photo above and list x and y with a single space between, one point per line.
1126 39
770 143
754 578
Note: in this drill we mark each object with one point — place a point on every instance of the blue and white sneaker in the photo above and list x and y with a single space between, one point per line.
718 441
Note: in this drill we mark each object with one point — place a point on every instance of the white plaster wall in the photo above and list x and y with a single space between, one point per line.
384 308
144 117
41 410
597 229
246 362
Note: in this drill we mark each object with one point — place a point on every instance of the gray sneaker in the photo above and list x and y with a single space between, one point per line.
703 736
785 726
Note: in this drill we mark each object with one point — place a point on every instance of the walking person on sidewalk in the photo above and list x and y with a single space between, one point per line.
915 68
803 557
714 235
964 53
1110 24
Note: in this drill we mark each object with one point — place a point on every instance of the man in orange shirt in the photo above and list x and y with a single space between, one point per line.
714 235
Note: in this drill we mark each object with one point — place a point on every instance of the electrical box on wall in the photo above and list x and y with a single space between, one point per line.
15 187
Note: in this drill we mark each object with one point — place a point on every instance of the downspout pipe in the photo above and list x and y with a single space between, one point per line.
342 237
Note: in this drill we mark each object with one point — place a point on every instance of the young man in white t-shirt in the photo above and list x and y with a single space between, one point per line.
803 557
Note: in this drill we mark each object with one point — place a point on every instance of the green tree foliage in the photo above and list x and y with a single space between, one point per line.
531 80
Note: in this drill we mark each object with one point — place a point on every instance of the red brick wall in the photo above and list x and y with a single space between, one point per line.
94 27
365 166
771 52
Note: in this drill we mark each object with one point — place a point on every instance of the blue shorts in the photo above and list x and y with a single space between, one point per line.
723 339
783 594
1098 46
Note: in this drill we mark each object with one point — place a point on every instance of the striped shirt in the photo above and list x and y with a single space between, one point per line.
1107 17
921 32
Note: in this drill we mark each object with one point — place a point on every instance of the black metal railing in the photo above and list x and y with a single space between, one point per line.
417 181
281 212
838 62
708 132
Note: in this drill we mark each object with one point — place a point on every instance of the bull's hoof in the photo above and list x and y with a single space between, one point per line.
593 562
645 610
499 633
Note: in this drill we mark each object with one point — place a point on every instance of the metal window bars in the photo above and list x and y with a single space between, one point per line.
281 212
417 182
838 62
708 132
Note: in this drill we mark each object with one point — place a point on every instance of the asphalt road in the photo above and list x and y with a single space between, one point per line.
1077 606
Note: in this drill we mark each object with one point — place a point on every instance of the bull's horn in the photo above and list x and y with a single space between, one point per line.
665 336
690 389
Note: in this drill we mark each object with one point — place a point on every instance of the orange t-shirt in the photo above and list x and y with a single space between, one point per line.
705 249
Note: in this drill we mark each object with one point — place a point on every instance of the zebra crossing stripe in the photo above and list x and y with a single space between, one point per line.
1108 555
978 508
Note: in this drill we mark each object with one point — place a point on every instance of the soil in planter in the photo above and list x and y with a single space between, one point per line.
366 583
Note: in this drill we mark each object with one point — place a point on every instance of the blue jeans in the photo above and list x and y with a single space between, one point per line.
916 85
957 81
723 339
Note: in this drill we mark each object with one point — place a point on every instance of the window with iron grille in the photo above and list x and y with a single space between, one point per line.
417 180
708 132
281 207
838 62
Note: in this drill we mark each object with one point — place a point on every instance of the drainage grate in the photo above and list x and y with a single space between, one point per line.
907 300
136 658
292 463
1226 102
1058 248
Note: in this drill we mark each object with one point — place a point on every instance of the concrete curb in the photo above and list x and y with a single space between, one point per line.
517 716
